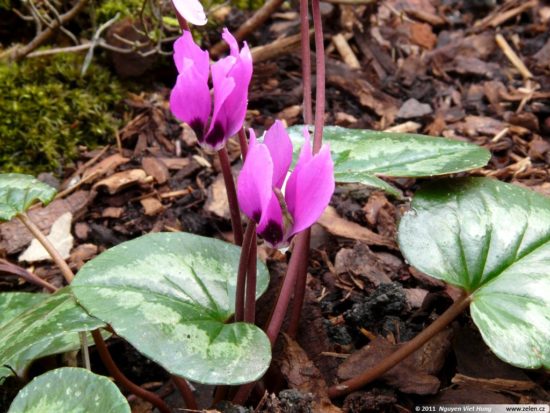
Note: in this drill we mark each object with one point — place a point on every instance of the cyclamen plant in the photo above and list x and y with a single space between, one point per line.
172 296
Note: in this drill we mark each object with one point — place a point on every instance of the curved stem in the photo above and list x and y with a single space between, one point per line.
186 393
122 379
28 276
306 62
320 76
406 350
241 274
231 196
48 246
250 302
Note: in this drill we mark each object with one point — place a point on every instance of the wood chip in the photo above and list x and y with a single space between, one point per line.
341 227
122 180
345 51
112 212
13 234
152 206
156 168
106 166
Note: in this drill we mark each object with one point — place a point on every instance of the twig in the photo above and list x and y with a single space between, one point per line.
345 51
513 57
47 33
48 246
277 48
406 350
249 26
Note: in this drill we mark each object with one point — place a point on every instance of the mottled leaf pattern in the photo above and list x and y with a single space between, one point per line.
50 326
170 296
493 240
18 192
360 155
70 390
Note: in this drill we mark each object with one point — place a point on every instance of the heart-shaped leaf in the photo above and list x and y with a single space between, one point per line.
50 326
493 240
361 155
170 295
18 192
70 389
13 304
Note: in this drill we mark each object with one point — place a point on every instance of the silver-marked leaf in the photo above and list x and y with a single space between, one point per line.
359 155
170 296
493 240
13 304
51 326
70 389
18 192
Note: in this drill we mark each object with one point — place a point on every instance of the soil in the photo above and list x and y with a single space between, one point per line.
426 66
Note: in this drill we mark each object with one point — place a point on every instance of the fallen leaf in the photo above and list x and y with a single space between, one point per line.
122 180
341 227
60 236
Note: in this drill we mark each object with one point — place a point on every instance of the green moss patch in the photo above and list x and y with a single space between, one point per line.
47 109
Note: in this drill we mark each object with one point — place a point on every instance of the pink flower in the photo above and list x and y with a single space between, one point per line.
191 10
307 192
191 101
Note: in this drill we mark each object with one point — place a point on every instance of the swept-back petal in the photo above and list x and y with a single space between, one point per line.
185 49
190 100
254 183
280 147
303 158
314 185
191 10
271 226
238 66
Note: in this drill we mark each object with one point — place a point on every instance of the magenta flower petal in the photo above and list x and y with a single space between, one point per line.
254 184
280 147
190 100
271 227
191 10
185 49
303 158
313 188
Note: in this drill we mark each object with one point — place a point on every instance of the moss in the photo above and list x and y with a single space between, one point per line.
47 109
109 8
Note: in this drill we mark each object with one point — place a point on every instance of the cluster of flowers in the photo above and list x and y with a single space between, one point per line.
281 203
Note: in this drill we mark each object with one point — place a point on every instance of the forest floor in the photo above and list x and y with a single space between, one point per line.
437 67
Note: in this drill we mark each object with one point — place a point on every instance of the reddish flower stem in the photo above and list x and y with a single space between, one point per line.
241 274
186 393
231 196
251 276
182 22
306 62
243 142
406 350
122 379
300 292
320 76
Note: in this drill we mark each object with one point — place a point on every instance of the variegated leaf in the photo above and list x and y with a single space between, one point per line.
171 295
70 389
18 192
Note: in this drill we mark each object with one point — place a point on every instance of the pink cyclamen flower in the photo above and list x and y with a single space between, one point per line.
191 10
307 191
191 101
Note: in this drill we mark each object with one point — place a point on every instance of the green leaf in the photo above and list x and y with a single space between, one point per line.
13 304
360 155
493 240
18 192
51 326
70 389
170 296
